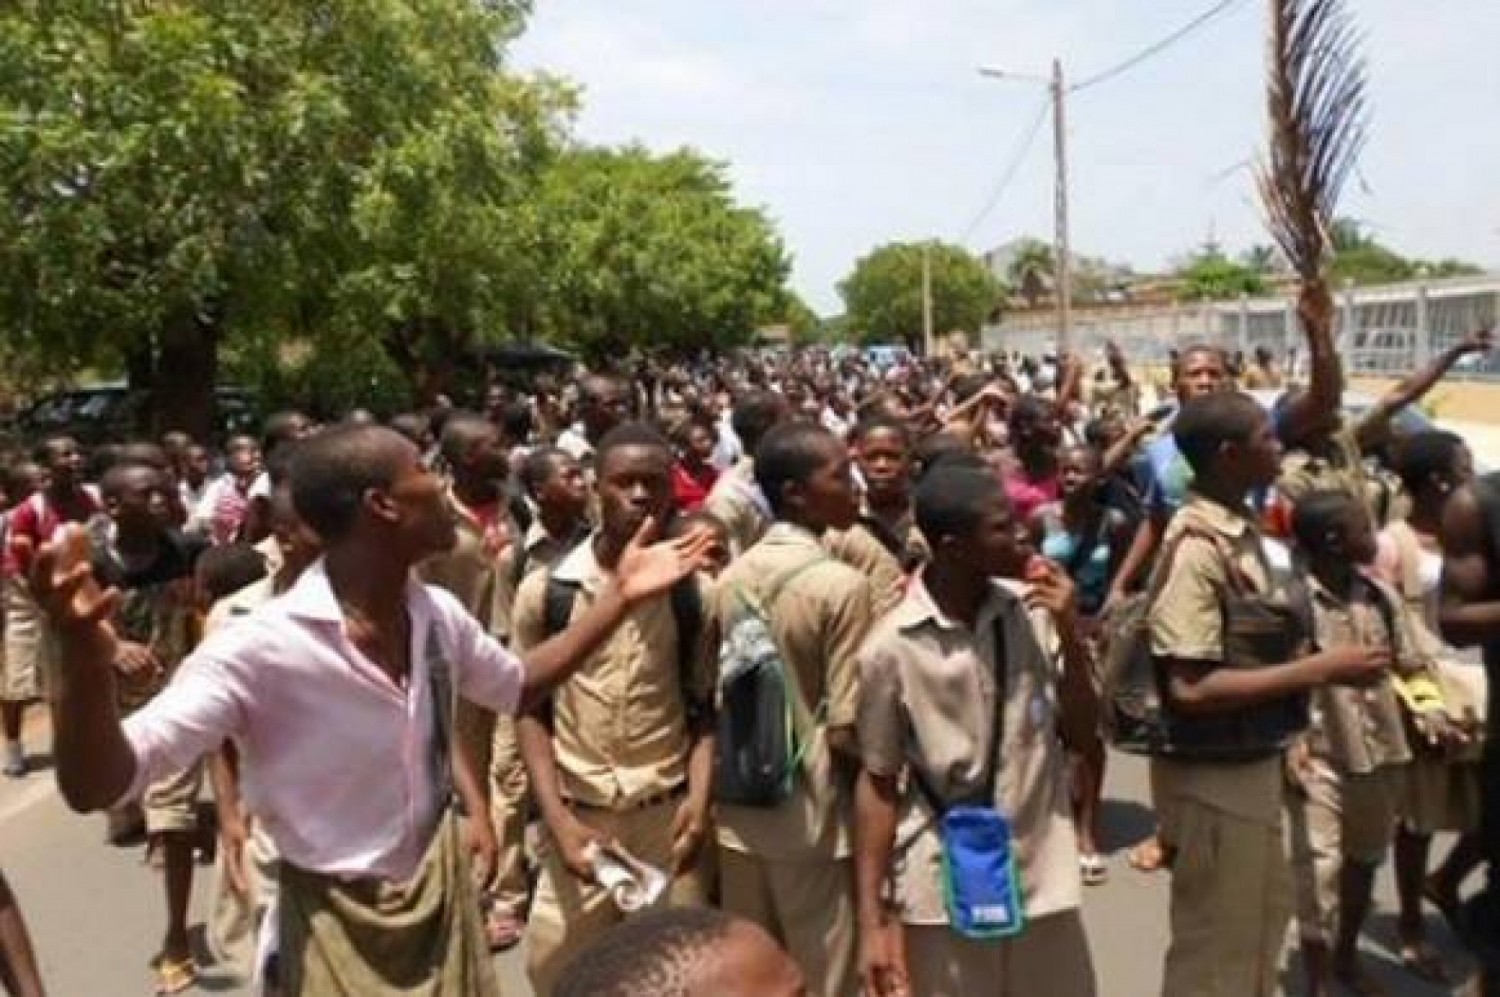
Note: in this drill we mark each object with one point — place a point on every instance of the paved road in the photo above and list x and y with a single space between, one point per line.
95 911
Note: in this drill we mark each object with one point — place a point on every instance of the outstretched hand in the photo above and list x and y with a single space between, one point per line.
647 568
63 583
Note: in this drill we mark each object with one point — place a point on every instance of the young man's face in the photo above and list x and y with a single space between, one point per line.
1260 455
64 463
635 482
424 523
605 408
1000 545
565 492
1077 470
1359 541
195 465
1200 373
829 498
243 461
885 464
700 443
300 546
140 503
486 456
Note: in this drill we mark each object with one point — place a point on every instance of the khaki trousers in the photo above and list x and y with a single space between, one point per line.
1231 902
1049 959
1336 818
510 799
806 906
569 914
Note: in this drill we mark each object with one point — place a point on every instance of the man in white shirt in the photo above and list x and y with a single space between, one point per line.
338 695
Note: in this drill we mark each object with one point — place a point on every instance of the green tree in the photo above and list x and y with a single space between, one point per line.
1031 270
1211 276
883 294
181 178
652 253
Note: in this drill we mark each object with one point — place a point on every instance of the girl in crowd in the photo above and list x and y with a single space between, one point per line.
1442 791
1089 539
1032 480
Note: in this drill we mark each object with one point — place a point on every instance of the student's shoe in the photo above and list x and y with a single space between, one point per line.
1094 869
16 766
173 976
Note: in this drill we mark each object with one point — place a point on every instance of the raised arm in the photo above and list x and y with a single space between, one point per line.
1376 423
1325 387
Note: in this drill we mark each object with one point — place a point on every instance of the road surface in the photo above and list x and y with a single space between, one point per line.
96 912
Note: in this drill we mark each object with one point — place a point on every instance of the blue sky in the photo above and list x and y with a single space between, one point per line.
855 122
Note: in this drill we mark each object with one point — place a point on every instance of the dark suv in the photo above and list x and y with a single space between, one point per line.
109 413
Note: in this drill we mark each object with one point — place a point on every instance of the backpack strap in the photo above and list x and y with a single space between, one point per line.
441 690
557 604
687 615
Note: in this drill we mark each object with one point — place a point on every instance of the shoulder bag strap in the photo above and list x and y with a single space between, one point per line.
997 735
441 691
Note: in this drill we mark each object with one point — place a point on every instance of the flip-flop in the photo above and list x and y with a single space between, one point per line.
1421 960
173 976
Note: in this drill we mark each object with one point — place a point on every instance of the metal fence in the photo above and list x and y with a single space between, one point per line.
1382 331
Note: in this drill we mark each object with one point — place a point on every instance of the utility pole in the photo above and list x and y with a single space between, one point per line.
927 299
1063 263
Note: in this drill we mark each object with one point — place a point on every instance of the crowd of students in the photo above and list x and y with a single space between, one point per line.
834 649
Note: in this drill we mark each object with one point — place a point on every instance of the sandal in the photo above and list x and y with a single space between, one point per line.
1421 960
173 976
1094 869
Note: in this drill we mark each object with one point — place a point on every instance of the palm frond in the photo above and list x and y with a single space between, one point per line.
1318 117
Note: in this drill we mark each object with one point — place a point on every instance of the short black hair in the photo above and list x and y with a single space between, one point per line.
281 427
226 568
658 953
1422 455
331 472
591 387
755 415
145 452
1207 423
944 448
630 434
44 450
881 422
693 420
538 469
279 461
115 480
1319 513
516 421
412 425
791 453
460 432
951 500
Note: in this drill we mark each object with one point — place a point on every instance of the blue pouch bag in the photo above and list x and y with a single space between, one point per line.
980 885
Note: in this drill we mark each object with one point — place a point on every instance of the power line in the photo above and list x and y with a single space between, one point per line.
1018 156
1222 7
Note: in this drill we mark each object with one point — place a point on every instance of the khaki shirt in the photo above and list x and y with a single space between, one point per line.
1187 623
862 551
1360 729
927 700
470 571
619 723
819 620
737 503
542 551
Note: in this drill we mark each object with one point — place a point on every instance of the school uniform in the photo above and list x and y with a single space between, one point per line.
1345 808
930 692
621 738
788 868
1231 882
737 502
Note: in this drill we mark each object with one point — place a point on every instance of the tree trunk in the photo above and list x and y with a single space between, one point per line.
181 395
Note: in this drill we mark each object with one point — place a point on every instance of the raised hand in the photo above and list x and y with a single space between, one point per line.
63 583
646 568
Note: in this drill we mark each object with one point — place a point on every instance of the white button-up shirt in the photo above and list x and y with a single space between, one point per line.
337 757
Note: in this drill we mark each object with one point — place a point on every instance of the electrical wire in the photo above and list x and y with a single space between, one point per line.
1018 156
1220 8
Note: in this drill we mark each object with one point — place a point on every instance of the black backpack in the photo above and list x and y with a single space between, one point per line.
687 614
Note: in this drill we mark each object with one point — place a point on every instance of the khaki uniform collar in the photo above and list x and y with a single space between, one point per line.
1213 515
917 609
579 566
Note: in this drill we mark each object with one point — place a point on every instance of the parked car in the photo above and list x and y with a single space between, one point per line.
110 412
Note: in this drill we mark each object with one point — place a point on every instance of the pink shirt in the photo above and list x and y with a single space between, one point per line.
337 763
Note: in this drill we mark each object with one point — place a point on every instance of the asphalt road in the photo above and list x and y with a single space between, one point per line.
96 912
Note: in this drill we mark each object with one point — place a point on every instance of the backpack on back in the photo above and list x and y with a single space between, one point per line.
757 750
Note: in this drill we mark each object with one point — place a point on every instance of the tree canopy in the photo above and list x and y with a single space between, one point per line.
284 187
883 294
1210 275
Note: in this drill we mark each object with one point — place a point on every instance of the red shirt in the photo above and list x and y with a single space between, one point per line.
33 523
691 488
